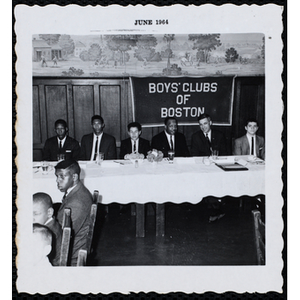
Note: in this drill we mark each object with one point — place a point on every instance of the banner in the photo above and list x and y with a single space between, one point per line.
185 98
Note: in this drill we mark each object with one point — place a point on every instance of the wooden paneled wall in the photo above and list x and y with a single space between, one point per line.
76 100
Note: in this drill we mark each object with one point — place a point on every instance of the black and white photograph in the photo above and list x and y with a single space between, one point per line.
149 149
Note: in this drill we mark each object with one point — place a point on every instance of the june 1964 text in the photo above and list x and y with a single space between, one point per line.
150 22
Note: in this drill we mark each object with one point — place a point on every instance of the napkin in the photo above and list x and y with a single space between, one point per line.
223 160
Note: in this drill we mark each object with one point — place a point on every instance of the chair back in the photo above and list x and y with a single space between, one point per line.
259 235
96 199
81 260
66 237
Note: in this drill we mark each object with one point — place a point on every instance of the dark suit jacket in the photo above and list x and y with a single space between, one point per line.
107 146
71 149
79 200
200 145
160 142
56 229
126 147
242 147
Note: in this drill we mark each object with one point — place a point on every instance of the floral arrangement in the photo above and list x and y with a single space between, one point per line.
155 155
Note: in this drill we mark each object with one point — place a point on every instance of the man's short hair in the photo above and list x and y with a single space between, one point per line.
70 165
134 124
97 117
43 198
167 119
251 120
204 116
44 232
62 122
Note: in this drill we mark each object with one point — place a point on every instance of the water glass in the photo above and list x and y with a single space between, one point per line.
99 158
45 167
171 155
215 154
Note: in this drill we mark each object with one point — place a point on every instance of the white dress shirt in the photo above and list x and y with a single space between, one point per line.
62 141
249 137
136 145
208 134
169 137
94 143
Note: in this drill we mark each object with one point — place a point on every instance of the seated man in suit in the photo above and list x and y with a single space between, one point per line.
98 141
207 139
250 143
76 197
43 214
134 144
61 144
203 142
170 139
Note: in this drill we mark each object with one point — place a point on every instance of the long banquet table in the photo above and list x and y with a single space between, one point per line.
186 180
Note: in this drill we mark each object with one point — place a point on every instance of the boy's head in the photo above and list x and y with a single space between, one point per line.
251 126
41 243
42 208
171 125
134 130
205 123
67 174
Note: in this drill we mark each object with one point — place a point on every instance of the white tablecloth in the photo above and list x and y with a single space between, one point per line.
186 180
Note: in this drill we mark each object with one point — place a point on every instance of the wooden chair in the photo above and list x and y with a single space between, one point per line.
96 199
84 252
81 260
66 237
259 235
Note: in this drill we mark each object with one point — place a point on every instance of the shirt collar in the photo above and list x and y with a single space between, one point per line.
132 141
249 136
62 141
48 221
99 136
168 135
208 134
69 190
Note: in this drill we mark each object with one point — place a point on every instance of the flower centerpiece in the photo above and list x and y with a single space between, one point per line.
155 155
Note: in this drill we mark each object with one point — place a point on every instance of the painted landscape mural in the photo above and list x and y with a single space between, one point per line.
148 55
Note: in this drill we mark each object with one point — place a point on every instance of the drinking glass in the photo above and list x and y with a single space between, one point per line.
45 167
215 154
99 158
206 161
171 155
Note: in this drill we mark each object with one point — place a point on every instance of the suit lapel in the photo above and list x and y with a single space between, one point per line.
102 143
76 188
257 145
167 145
66 144
246 143
204 140
90 145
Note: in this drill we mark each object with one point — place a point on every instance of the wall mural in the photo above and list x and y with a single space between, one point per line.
148 55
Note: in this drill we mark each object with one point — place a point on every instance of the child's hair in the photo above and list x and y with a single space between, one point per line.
43 198
44 232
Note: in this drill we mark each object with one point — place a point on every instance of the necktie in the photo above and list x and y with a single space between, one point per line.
252 146
134 146
96 149
206 135
65 195
171 142
60 145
